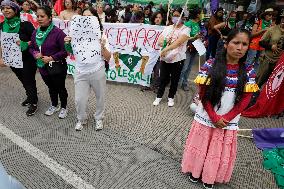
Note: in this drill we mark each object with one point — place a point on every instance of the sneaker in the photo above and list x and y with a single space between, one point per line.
51 110
171 102
25 103
208 186
99 125
157 101
192 179
79 125
32 110
63 113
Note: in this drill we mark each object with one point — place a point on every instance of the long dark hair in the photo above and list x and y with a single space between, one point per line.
155 14
94 12
218 72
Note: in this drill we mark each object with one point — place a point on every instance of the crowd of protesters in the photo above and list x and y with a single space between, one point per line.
246 46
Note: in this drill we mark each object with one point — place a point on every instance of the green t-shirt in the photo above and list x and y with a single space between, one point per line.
194 27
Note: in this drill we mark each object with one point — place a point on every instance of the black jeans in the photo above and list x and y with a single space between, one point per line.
156 74
27 77
56 86
212 46
169 72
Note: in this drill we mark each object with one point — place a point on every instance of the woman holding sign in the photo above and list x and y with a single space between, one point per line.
173 42
25 67
89 76
47 46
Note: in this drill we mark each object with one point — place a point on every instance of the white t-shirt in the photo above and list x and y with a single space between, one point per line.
93 66
102 17
180 51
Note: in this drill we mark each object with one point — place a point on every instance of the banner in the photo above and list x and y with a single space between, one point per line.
270 101
11 52
134 52
134 49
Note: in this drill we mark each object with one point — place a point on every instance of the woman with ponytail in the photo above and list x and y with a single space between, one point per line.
226 85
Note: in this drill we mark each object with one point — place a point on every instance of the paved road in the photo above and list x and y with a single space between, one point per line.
140 147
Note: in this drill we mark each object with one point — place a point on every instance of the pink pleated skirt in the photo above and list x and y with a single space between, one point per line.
210 153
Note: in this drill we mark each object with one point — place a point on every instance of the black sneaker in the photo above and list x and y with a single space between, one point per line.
25 103
32 110
208 186
192 179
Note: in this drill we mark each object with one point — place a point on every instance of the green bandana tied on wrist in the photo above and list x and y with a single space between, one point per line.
11 25
24 45
68 48
40 38
232 22
265 24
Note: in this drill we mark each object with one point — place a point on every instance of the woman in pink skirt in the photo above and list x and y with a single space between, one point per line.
226 85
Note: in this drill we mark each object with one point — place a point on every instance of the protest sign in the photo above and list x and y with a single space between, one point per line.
11 52
86 35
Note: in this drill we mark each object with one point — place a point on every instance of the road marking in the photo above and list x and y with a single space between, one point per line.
66 174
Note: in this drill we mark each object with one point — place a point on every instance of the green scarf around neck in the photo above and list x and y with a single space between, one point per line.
265 24
232 22
40 38
12 25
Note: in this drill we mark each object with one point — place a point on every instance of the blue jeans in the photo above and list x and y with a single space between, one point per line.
212 46
190 56
253 58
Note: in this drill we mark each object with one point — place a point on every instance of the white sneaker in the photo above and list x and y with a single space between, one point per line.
79 125
51 110
63 113
99 125
171 102
157 101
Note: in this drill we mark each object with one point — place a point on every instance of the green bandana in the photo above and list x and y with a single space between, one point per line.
30 12
194 27
265 24
68 47
11 25
24 45
146 21
232 22
40 38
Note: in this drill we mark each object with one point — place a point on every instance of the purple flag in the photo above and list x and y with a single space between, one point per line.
268 138
214 5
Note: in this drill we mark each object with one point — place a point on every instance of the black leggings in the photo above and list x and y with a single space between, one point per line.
27 77
169 72
56 86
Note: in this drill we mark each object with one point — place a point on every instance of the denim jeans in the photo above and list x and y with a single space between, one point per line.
189 61
253 58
